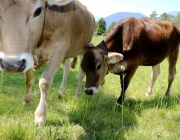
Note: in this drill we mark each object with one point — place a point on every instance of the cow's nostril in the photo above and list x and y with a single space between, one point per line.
88 91
22 65
1 64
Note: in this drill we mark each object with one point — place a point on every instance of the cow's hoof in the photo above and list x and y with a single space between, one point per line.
27 99
119 102
73 66
25 103
62 91
147 94
60 96
39 120
167 93
78 95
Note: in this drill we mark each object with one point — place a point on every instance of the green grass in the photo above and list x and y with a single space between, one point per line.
93 117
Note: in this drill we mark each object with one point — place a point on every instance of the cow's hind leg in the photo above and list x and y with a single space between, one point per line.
172 59
154 74
29 77
66 70
125 80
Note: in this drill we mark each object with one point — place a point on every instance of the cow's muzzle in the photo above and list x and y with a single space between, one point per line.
91 90
15 66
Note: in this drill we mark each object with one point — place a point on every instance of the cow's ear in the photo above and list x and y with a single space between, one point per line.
58 2
114 58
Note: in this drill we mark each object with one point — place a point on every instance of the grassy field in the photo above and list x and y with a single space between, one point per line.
93 117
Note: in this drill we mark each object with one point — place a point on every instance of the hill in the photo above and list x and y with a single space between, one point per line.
120 15
174 13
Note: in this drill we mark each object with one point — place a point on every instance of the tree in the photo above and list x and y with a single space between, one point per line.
153 15
101 27
165 16
176 19
110 27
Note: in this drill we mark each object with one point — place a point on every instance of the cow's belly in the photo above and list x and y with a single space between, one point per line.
71 53
152 59
152 62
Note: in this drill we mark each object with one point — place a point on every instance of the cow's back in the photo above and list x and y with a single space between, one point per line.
83 24
140 39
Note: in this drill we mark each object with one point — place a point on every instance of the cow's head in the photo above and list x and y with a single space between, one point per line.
95 65
21 25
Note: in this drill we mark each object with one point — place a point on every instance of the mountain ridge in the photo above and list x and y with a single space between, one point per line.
120 15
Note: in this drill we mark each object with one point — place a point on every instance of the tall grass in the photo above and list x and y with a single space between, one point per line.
93 117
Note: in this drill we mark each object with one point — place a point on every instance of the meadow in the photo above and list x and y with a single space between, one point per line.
93 117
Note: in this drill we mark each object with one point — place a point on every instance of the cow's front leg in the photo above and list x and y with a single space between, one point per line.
45 83
125 80
29 77
123 89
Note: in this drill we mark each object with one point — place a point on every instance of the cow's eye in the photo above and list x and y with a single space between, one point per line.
98 67
38 11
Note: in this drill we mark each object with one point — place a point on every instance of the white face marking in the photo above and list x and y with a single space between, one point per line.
29 61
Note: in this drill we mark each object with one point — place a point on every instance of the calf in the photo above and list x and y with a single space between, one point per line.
141 42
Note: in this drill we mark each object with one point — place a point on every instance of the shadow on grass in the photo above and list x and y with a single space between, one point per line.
101 118
159 102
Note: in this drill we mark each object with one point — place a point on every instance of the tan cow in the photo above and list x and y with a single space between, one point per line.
36 31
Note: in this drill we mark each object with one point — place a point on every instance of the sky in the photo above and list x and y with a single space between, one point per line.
104 8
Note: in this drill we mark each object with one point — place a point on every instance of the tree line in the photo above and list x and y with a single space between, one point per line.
165 16
100 28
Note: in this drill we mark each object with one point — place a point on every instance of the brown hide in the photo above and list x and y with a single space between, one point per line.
142 42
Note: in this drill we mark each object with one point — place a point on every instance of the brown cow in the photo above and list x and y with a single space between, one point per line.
36 31
142 42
